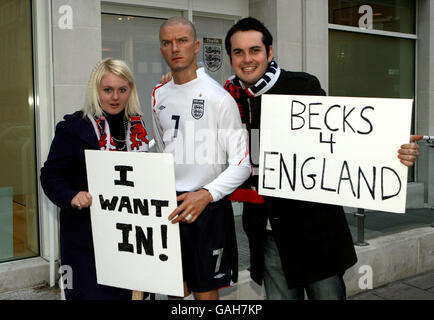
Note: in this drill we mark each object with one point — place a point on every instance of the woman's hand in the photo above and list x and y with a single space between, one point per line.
82 200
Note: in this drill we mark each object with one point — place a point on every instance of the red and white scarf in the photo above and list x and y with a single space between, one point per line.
247 192
136 137
241 94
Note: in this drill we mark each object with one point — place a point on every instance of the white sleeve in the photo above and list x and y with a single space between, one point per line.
158 131
233 140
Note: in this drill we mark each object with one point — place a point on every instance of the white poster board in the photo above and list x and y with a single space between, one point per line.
336 150
136 246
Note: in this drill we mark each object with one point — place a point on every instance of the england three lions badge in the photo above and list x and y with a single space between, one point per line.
198 108
213 53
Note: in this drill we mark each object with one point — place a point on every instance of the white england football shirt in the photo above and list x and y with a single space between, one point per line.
199 123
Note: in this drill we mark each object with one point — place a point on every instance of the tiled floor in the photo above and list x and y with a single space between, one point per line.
420 287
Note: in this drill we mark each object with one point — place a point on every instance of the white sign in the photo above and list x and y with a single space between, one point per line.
136 246
335 150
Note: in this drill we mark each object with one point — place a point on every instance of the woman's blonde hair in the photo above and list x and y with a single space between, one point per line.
120 69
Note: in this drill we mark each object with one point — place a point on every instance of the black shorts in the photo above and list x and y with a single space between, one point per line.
209 248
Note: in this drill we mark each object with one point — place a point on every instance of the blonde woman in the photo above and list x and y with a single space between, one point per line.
110 120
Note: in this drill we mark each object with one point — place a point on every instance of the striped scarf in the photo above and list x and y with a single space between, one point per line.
248 192
241 95
135 140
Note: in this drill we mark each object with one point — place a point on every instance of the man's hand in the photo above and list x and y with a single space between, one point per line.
166 78
409 152
81 200
193 203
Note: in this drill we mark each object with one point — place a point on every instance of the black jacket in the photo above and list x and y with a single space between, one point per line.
62 177
313 239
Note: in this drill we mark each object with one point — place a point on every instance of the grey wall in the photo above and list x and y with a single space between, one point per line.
266 11
75 53
425 93
300 31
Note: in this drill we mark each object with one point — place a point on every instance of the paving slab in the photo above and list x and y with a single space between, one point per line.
40 293
366 296
424 281
402 291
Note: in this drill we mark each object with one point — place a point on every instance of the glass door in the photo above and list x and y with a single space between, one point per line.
135 40
18 199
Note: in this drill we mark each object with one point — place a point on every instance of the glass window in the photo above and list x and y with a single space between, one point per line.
386 15
371 65
18 201
135 40
211 33
363 65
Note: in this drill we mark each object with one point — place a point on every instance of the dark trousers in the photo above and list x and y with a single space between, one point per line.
332 288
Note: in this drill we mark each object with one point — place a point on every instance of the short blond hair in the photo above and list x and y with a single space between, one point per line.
120 69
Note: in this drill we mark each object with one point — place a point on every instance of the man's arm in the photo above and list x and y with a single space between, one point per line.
157 130
158 135
232 139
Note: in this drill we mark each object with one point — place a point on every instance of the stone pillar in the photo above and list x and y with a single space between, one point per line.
316 40
425 93
300 32
76 50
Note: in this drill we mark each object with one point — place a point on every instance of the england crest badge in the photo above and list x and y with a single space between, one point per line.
212 53
197 108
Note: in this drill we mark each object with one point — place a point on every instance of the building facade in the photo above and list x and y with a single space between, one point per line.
379 48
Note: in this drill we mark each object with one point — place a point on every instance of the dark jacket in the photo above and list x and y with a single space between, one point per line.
313 239
62 177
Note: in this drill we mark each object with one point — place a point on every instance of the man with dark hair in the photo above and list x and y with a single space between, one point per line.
249 24
295 246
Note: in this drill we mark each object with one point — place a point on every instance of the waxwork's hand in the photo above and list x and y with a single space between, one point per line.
193 203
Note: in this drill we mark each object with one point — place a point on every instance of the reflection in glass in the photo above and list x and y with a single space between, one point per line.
387 15
18 201
135 40
363 65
